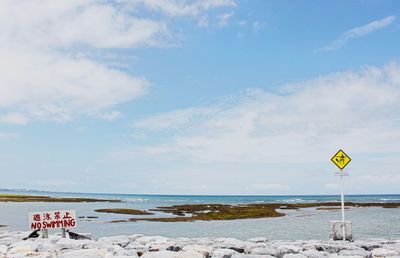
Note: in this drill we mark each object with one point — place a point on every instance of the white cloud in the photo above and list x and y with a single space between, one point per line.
357 111
46 72
186 8
223 19
175 119
45 23
14 118
41 76
112 115
242 23
257 25
358 32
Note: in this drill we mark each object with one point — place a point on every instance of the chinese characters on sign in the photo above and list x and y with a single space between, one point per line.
52 219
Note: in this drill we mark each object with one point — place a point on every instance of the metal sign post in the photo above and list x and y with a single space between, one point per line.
341 159
342 199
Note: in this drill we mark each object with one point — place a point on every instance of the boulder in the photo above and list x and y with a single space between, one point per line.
223 253
294 256
203 249
258 240
71 244
232 243
114 240
264 251
355 252
86 253
159 246
314 254
23 247
288 249
383 252
132 238
117 250
171 254
139 248
251 256
30 254
151 239
3 249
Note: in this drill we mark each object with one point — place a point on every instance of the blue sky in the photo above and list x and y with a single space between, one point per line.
199 97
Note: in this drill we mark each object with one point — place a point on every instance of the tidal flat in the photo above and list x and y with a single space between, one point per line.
208 212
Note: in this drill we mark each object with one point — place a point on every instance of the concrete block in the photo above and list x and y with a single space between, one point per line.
336 230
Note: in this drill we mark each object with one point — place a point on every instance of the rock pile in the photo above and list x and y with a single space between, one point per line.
12 246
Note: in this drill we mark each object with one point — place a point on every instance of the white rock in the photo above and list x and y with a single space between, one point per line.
251 256
190 254
86 253
171 254
203 249
223 253
288 249
264 251
3 249
114 240
156 246
30 254
383 252
132 238
151 239
23 247
71 244
139 248
294 256
161 254
360 252
204 241
314 254
46 247
258 240
234 244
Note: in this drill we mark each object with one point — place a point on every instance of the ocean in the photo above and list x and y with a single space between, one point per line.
304 224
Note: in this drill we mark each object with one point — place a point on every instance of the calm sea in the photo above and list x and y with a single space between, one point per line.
303 224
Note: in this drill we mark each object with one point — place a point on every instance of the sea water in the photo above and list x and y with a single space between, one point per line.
306 223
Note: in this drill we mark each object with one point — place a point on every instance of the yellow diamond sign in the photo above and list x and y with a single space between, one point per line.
341 159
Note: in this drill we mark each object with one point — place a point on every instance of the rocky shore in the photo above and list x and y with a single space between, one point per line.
12 246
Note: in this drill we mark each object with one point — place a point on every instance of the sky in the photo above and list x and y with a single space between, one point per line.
224 97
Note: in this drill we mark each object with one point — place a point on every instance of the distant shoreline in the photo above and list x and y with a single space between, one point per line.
45 192
44 198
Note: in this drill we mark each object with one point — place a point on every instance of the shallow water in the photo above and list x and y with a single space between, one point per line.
304 224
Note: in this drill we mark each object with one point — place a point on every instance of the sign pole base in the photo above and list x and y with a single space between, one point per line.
45 233
63 232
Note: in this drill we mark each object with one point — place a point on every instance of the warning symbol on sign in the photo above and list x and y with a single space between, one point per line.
341 159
